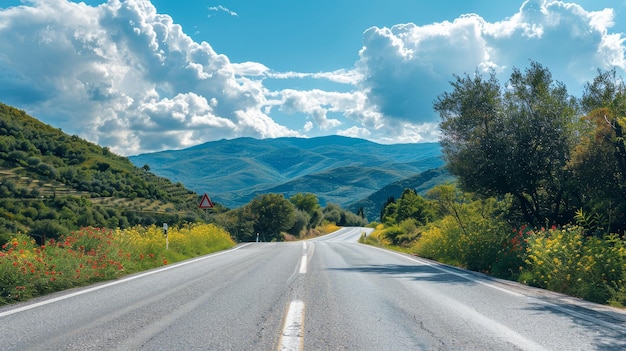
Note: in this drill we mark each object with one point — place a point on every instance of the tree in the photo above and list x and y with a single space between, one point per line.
599 160
512 141
413 206
388 209
305 202
272 214
449 201
238 222
316 219
300 223
332 213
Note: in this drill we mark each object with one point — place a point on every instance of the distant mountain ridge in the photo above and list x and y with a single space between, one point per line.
336 169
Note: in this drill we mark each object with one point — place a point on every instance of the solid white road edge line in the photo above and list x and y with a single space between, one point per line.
468 277
123 280
493 286
292 338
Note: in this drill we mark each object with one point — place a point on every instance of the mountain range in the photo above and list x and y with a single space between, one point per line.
341 170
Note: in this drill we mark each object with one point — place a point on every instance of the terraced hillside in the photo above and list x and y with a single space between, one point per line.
51 182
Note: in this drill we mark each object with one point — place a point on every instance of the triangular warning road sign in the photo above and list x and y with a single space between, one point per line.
206 202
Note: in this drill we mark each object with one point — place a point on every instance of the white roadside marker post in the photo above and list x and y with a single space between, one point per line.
167 241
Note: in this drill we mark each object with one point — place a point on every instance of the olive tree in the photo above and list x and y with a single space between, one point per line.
513 139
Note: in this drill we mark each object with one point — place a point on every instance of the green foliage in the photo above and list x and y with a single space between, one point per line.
300 223
309 205
471 234
597 166
595 223
568 261
401 234
47 175
404 216
305 202
527 141
333 213
413 206
94 254
238 222
272 215
511 141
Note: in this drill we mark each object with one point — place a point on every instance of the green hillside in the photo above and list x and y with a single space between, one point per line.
51 183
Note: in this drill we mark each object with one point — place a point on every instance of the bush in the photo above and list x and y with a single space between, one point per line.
92 254
567 261
440 241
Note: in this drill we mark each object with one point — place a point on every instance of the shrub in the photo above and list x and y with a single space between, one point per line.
92 254
567 261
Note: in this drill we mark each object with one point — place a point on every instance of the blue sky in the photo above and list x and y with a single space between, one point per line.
140 76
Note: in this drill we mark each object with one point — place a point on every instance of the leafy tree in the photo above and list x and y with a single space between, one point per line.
512 141
33 161
449 201
316 219
48 170
413 206
300 223
305 202
599 160
388 209
389 213
238 222
350 219
272 215
606 91
332 213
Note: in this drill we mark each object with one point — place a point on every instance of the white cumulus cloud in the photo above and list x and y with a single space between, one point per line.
125 76
407 66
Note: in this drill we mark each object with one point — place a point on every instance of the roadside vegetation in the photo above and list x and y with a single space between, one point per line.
91 255
272 217
540 195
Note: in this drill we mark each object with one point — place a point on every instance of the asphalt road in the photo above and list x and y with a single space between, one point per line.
330 293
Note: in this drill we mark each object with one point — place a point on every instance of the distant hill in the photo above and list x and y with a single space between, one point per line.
421 183
336 169
51 182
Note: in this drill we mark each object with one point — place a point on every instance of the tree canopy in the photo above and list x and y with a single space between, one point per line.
272 214
562 159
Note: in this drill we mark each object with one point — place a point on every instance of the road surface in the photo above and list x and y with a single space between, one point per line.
330 293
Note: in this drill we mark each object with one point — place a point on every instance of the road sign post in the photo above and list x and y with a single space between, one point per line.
167 239
204 204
